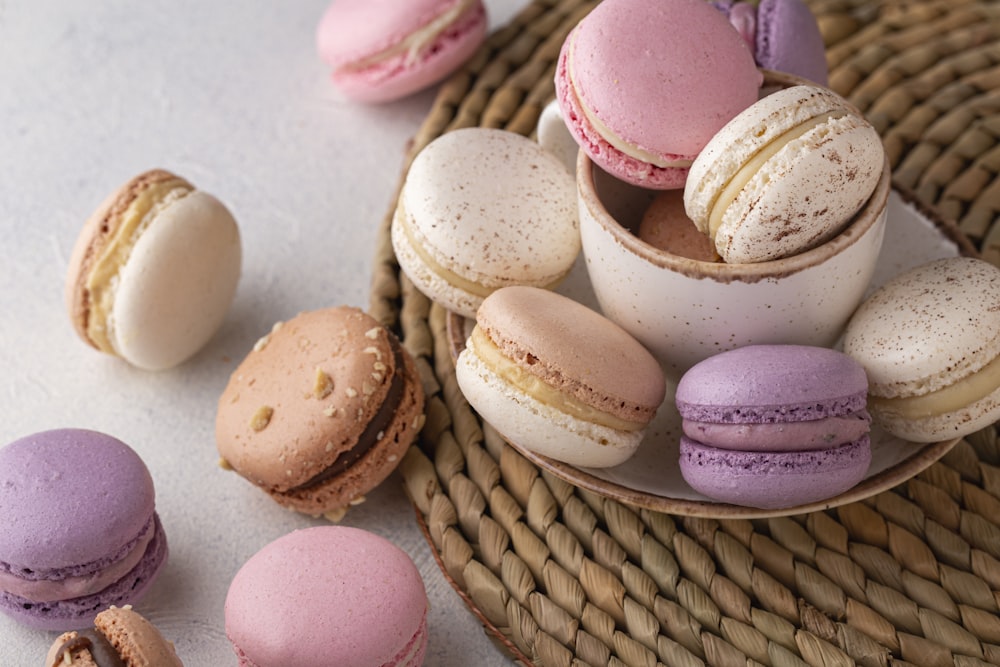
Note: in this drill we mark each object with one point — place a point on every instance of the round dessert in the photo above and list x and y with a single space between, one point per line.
482 209
784 176
154 271
642 94
666 226
783 35
121 637
321 411
328 593
383 50
929 340
80 530
774 426
559 379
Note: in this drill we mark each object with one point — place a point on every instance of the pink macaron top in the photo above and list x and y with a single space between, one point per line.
664 75
351 31
325 595
71 502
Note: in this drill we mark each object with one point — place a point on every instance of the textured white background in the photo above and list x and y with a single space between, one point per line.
231 96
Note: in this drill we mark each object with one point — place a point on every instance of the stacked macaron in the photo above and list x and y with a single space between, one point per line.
80 528
774 426
929 340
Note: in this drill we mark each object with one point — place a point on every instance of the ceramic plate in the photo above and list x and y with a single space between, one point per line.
651 479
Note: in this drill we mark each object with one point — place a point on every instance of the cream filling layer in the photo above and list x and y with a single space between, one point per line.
535 387
610 135
449 276
416 42
954 397
102 281
53 590
727 195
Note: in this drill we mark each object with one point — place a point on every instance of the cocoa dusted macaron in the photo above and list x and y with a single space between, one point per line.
321 411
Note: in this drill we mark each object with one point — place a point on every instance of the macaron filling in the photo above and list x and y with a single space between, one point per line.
373 433
728 194
102 281
807 435
532 385
962 393
70 587
95 643
617 142
417 42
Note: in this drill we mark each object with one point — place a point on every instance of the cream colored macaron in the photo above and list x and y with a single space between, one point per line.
783 176
929 341
154 271
482 209
559 379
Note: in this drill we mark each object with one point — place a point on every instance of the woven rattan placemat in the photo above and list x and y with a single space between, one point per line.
559 576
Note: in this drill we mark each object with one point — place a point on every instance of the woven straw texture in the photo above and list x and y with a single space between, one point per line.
559 576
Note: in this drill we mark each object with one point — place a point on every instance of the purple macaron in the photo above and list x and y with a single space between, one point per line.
80 532
774 426
783 35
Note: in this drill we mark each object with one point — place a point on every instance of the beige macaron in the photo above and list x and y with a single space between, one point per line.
154 271
785 175
120 636
321 410
929 340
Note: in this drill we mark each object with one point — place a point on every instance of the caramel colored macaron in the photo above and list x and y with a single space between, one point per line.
321 410
121 636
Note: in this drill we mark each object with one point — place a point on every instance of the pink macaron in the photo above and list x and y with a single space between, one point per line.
328 595
383 50
644 84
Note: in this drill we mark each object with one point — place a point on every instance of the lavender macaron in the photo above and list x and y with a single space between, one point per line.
80 531
774 426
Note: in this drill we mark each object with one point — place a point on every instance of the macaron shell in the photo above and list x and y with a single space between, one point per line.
788 39
327 591
137 641
493 208
176 287
773 480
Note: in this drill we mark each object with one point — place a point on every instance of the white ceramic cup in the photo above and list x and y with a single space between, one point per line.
686 310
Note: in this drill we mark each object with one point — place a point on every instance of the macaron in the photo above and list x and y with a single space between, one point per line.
929 340
784 176
328 594
482 209
321 410
644 84
121 636
154 271
783 35
80 529
383 50
558 379
774 426
666 226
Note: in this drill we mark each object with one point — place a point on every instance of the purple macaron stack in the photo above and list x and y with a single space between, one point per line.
783 35
80 532
774 426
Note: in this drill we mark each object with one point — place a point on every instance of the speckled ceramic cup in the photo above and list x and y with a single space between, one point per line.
686 310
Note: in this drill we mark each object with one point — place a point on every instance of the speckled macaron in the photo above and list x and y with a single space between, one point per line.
321 410
929 340
482 209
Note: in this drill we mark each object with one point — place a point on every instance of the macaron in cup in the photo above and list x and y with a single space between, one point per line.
80 528
328 595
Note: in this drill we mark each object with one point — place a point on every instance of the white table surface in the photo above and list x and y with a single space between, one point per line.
233 97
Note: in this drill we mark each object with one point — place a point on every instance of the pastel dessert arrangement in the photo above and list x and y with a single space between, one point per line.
774 426
929 340
154 271
382 50
80 528
328 593
121 637
321 410
559 379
